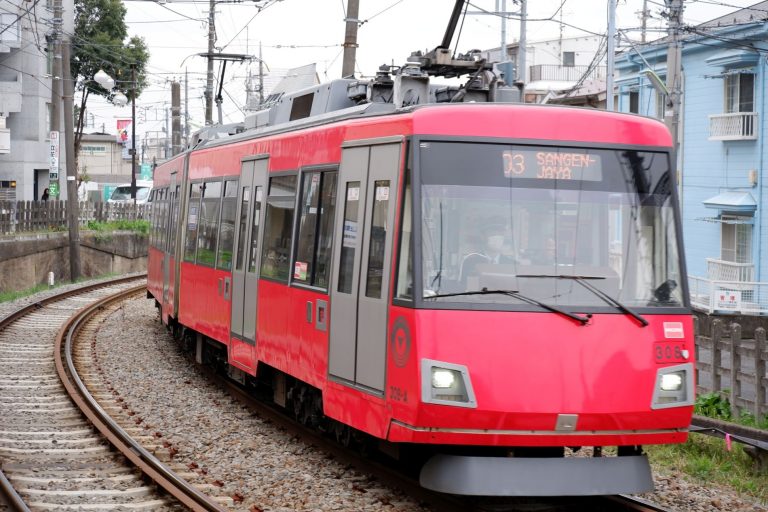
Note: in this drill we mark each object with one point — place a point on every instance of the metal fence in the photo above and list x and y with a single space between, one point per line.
715 296
31 216
725 361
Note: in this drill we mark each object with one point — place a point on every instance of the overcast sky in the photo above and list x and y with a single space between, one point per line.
298 32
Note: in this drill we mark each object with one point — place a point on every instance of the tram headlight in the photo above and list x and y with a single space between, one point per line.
672 381
446 383
442 378
674 386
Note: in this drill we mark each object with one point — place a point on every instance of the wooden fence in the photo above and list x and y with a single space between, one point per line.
725 361
30 216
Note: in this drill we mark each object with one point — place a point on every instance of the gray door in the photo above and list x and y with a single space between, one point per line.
361 262
170 248
245 273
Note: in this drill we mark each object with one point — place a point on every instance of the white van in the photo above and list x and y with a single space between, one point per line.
122 194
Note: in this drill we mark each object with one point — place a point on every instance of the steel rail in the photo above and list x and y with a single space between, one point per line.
140 457
10 495
6 489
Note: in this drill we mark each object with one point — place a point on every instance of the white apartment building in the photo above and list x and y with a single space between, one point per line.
25 97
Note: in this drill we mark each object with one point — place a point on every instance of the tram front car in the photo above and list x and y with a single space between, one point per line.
542 293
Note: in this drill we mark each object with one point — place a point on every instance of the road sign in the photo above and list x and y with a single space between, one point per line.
146 172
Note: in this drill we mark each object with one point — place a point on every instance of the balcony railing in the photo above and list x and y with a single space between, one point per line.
562 73
721 270
747 298
733 126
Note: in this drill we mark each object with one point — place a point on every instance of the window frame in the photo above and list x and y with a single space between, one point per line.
189 204
263 228
235 178
322 170
219 180
737 90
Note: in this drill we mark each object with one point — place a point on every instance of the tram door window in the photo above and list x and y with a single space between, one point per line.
313 245
192 220
362 256
209 223
405 262
278 227
227 226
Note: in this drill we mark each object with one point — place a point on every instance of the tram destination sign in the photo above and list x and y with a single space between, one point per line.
552 164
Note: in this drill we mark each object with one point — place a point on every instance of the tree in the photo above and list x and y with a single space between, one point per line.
101 42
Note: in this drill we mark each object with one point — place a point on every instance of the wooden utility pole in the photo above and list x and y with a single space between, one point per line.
73 206
350 39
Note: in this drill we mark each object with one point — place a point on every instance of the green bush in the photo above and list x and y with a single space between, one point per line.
137 226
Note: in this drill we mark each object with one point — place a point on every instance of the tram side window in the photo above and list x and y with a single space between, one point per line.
405 262
227 226
318 206
192 221
209 223
275 256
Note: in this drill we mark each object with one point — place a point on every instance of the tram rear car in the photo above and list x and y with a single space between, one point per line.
493 282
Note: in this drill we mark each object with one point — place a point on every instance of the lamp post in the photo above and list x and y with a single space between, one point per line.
119 99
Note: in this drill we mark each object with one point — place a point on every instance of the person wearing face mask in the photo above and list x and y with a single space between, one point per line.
491 252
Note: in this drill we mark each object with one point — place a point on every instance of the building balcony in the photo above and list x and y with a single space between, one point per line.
554 72
721 270
733 126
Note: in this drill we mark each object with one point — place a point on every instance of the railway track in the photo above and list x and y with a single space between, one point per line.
57 445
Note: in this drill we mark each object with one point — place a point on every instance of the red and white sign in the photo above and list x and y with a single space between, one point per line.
728 299
674 330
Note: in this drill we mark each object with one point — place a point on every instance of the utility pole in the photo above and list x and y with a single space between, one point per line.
674 72
56 95
73 207
261 78
522 70
209 79
176 115
350 39
502 9
186 106
610 54
644 20
133 133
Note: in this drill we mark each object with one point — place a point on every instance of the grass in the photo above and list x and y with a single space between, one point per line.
18 294
137 226
706 460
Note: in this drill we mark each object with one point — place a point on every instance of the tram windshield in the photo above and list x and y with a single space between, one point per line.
563 226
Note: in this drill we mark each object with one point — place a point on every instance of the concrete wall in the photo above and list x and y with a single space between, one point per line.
25 262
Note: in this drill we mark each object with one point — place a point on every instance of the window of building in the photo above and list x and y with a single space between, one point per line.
278 229
193 214
9 28
569 59
313 247
634 102
208 229
227 229
739 92
736 239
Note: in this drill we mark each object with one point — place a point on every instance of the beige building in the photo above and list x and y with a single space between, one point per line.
102 166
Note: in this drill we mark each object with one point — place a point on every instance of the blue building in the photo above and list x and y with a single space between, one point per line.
722 174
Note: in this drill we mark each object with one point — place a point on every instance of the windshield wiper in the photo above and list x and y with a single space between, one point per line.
517 295
583 280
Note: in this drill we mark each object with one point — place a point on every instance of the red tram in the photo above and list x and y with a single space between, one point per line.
494 281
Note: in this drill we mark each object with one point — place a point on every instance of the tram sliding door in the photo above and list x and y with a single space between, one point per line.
247 254
169 252
361 262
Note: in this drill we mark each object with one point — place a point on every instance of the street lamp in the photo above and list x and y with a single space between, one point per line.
119 99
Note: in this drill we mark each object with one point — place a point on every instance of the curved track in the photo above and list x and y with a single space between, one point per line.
56 443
